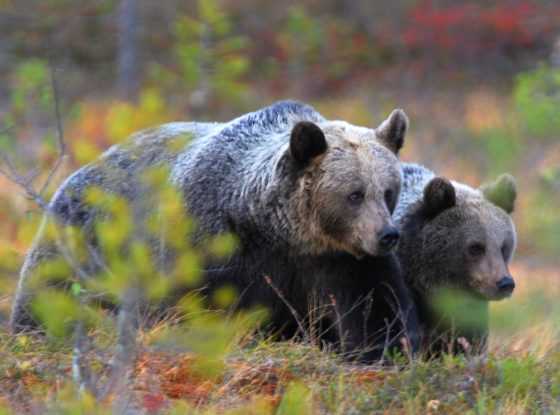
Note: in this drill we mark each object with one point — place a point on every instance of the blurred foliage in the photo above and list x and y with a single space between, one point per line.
519 135
296 401
152 252
133 252
69 401
544 223
209 60
348 38
519 376
124 118
30 101
503 148
459 309
315 46
502 27
537 96
99 124
31 85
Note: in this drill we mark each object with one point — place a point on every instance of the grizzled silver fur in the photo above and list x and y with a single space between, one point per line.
414 179
212 150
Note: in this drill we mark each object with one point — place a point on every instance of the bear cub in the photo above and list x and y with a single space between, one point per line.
456 245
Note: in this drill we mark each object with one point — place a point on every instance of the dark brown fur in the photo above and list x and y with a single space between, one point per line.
456 242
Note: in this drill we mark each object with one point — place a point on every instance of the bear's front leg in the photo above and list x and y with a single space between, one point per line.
373 311
370 330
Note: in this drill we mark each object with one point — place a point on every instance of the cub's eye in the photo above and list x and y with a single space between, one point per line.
356 198
389 194
477 249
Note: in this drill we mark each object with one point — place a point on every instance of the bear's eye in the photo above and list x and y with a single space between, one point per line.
388 197
356 198
477 249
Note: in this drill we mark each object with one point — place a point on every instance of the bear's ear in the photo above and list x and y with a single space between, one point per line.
391 132
307 141
502 192
439 195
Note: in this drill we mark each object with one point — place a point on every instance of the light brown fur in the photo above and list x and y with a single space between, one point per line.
355 159
487 223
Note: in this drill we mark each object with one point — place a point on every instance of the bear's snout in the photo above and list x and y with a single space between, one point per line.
388 239
506 285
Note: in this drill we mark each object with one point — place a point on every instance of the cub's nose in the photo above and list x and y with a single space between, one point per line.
388 238
506 285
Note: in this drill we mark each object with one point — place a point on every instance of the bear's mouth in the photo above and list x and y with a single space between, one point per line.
501 296
359 253
494 294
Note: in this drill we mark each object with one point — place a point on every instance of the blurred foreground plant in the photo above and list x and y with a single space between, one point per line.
537 96
143 257
137 256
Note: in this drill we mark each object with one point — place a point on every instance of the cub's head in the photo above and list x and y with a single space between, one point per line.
466 238
347 182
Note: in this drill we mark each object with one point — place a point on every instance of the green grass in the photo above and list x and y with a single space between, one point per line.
261 376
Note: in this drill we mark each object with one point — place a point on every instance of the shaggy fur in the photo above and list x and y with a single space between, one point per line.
307 198
458 238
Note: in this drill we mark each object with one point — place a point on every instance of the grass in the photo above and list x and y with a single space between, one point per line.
521 373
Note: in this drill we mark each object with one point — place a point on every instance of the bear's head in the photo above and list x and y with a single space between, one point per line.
464 238
347 182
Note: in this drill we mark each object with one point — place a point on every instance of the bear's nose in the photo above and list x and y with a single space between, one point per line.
388 238
506 285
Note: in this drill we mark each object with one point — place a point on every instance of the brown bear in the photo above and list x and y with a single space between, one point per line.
308 199
456 244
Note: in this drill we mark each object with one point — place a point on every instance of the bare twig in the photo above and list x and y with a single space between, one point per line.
125 353
62 245
343 315
26 183
293 311
59 131
11 174
367 313
341 335
403 334
80 370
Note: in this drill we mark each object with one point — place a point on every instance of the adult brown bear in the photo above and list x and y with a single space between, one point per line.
308 199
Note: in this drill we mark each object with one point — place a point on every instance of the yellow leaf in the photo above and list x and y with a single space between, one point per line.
84 151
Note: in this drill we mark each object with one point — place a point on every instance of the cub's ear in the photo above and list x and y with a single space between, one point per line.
391 132
439 195
307 141
502 192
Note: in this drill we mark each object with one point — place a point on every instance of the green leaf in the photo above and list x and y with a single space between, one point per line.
76 289
296 400
57 311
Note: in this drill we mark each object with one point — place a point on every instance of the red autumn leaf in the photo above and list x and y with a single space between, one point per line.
153 402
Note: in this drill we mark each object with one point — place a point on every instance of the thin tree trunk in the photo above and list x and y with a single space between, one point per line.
128 63
555 55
